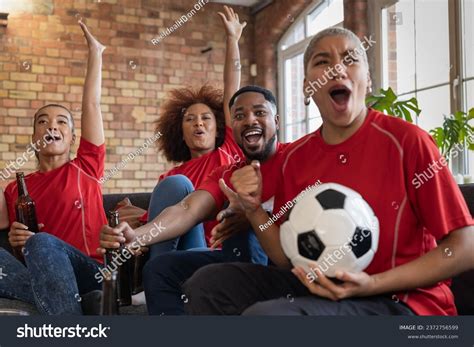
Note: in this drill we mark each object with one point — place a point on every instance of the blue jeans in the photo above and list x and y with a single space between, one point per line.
55 276
164 275
169 192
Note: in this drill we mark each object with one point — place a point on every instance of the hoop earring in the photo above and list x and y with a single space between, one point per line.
307 101
369 90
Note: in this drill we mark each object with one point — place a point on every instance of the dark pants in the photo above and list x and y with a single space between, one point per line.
164 274
250 289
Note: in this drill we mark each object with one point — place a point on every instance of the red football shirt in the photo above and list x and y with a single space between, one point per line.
198 169
384 161
69 199
269 170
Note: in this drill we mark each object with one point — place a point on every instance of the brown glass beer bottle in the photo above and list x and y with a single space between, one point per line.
124 285
109 303
25 206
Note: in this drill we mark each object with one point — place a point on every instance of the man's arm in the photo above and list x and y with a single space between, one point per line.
4 220
269 238
92 128
232 67
174 221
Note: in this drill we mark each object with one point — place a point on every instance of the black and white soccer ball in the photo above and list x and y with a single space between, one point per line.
330 227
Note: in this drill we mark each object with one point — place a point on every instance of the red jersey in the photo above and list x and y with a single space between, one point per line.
269 170
69 199
198 169
391 164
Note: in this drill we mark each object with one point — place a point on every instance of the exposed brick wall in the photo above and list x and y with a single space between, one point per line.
355 16
43 59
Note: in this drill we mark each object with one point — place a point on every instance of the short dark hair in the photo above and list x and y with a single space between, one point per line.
267 94
53 105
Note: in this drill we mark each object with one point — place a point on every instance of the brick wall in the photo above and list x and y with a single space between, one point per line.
355 16
43 59
43 56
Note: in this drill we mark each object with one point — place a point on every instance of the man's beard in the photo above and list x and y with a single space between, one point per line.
262 155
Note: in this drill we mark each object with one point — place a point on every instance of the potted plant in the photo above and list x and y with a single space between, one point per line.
455 133
388 103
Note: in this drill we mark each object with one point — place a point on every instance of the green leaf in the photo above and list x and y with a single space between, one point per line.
386 102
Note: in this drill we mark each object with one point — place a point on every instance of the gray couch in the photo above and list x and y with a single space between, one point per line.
462 285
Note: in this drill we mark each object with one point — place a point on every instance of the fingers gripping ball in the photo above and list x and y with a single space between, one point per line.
330 228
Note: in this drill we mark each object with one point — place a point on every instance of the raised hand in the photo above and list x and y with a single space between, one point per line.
92 42
91 120
232 25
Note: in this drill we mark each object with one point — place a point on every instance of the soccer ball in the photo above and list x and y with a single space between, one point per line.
330 227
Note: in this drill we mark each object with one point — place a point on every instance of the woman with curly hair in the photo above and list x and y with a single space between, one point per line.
195 131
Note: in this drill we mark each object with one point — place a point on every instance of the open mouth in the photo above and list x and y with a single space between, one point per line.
198 133
340 95
253 135
52 138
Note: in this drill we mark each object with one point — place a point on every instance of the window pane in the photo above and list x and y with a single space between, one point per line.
315 119
432 42
294 99
399 43
468 37
434 104
296 34
314 124
295 131
328 14
416 44
469 93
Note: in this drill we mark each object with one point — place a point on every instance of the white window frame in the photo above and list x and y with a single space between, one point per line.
459 164
289 53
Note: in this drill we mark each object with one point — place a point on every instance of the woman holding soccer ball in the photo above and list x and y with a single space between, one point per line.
378 157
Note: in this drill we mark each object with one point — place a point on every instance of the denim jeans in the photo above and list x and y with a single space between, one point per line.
169 192
55 276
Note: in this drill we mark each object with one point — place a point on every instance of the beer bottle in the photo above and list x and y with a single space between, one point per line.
109 303
25 206
109 253
124 287
138 264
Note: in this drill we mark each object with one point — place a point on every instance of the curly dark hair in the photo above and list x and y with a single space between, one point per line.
169 124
